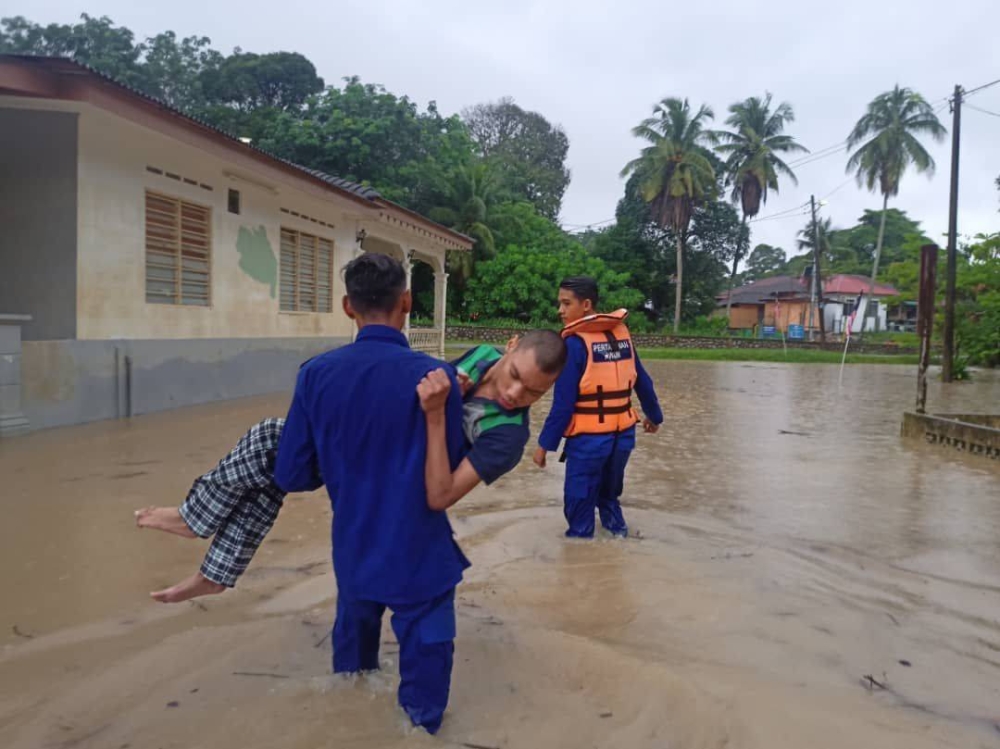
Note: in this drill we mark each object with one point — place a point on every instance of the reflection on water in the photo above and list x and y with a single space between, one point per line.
789 544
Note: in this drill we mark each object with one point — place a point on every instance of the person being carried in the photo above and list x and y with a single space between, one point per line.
237 502
592 408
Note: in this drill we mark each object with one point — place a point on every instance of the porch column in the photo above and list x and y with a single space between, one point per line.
359 237
408 267
441 307
12 421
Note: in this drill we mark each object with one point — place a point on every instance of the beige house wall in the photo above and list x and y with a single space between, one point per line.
114 153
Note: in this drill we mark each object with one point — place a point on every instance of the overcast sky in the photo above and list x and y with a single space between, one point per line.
597 69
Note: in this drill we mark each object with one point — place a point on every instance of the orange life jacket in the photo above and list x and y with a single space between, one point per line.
604 403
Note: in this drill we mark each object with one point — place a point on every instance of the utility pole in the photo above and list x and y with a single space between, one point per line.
948 359
817 271
925 318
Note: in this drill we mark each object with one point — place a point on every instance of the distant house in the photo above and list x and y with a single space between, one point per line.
780 301
163 262
841 294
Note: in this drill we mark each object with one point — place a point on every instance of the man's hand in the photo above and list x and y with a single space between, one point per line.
649 427
539 457
433 391
464 382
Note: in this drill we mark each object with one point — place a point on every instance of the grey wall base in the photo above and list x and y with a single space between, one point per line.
73 382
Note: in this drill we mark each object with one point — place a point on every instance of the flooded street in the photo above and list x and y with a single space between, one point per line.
798 577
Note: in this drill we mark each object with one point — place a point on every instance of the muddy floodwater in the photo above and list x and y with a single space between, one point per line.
798 577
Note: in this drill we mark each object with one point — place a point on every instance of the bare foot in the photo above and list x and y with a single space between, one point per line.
163 519
192 587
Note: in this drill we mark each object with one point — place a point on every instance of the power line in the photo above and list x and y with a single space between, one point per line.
980 109
837 150
789 213
843 184
977 89
578 227
820 154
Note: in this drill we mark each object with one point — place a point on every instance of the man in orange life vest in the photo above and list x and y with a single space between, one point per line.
592 408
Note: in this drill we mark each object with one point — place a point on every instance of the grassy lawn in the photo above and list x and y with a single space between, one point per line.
793 356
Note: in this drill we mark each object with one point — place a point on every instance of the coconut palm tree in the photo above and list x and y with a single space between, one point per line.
674 172
469 196
753 150
886 144
806 238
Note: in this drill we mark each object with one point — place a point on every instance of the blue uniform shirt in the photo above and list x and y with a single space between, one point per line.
356 420
567 388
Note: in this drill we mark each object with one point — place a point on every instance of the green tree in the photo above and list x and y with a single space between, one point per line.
528 152
471 192
245 81
977 312
765 261
246 92
636 246
366 134
95 42
853 249
807 239
753 151
174 71
675 173
886 142
523 283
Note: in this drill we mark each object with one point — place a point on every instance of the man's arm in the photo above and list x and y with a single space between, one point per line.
296 467
647 397
564 396
444 487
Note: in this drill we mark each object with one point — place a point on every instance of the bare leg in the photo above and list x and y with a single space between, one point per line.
163 519
192 587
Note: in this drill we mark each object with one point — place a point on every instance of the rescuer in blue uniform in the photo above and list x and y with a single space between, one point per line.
592 408
356 421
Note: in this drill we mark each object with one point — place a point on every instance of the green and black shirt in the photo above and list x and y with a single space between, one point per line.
495 437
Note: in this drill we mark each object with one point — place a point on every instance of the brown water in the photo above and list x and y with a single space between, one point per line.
789 544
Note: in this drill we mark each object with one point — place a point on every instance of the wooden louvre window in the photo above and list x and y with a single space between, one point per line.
178 251
306 272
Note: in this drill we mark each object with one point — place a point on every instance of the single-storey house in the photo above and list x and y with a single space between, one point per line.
149 260
780 301
843 291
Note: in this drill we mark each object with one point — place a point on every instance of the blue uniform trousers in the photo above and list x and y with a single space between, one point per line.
595 475
426 635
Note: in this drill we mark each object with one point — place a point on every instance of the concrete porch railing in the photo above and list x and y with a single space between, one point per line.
428 340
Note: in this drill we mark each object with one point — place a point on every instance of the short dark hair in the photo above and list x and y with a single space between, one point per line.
549 348
584 287
374 283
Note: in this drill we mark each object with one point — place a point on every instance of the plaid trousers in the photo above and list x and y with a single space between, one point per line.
237 502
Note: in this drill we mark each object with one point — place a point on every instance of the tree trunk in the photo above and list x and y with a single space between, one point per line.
878 255
679 286
732 276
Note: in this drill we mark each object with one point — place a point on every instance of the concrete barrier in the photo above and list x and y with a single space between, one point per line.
976 434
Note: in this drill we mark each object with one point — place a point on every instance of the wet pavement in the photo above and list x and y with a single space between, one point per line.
798 576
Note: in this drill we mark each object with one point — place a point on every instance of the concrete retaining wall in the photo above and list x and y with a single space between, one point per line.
965 433
72 382
502 335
